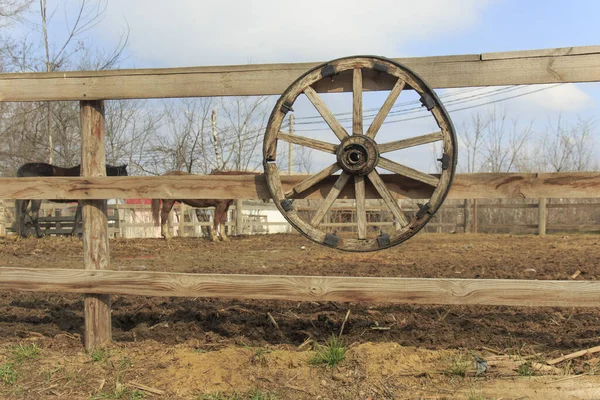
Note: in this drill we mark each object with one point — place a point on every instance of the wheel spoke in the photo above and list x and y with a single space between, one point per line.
410 142
331 197
408 172
385 109
308 142
361 209
387 197
357 107
326 113
313 180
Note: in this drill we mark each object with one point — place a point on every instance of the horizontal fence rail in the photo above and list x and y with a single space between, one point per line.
569 64
465 186
505 292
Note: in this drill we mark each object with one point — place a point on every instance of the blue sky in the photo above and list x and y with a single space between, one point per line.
189 32
519 25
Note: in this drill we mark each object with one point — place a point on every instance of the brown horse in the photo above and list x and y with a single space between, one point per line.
161 216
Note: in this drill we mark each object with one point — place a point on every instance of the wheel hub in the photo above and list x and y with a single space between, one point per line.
357 155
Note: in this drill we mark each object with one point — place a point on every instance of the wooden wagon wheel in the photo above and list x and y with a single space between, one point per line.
359 153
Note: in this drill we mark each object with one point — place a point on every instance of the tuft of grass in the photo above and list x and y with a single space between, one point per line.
24 352
568 367
258 395
473 396
526 369
8 376
254 394
219 396
459 365
136 395
331 354
258 357
48 375
120 393
124 363
99 355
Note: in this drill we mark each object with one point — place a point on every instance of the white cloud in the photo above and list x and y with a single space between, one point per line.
191 32
562 98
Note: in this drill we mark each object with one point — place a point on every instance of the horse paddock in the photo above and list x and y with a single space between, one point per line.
188 348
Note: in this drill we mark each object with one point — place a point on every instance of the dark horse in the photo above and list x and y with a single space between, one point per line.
43 169
161 216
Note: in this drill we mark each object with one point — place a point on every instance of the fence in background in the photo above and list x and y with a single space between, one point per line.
539 216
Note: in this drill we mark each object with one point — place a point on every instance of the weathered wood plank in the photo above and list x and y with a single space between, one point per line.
96 253
307 288
361 206
577 64
465 186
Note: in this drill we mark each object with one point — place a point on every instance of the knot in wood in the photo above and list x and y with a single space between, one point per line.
316 290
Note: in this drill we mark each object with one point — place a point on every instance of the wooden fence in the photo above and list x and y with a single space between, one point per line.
573 64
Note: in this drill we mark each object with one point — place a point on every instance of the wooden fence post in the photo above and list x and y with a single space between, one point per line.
542 216
96 253
475 217
239 217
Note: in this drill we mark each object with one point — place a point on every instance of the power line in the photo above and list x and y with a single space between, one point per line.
450 110
419 108
417 102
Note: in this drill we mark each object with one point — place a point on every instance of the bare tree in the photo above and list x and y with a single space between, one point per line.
243 131
50 130
568 147
470 137
186 144
12 11
131 126
494 143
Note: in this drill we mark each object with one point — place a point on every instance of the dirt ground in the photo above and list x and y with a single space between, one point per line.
215 349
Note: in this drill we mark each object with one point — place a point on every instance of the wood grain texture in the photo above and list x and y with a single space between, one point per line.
326 113
307 288
408 172
573 64
96 253
313 179
361 207
330 198
410 142
464 186
387 197
308 142
385 109
357 102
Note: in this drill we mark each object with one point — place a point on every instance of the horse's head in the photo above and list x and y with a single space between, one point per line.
119 170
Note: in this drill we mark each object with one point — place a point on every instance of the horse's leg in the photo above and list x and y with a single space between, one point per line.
167 205
77 219
34 214
21 212
214 229
222 219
